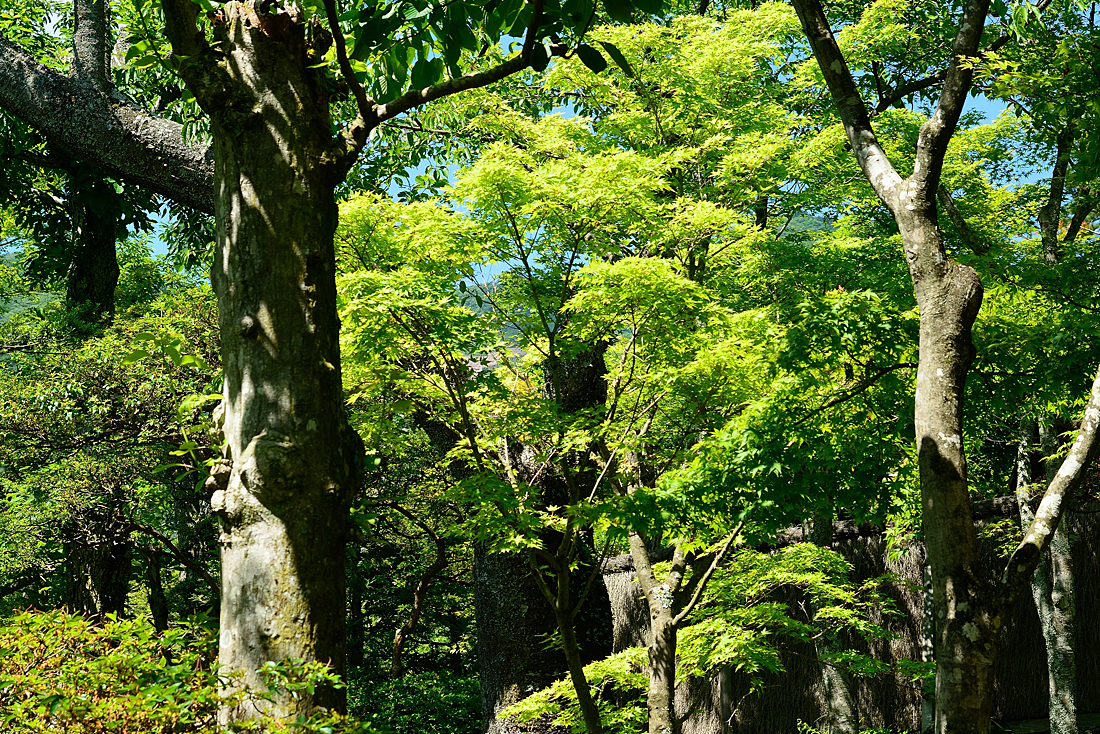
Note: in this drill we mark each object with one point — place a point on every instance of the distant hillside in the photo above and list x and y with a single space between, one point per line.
17 303
809 224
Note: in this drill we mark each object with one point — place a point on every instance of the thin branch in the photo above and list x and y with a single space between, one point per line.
1026 557
853 112
932 80
1050 214
591 578
938 129
701 587
422 587
179 556
416 97
860 387
956 217
1085 203
362 102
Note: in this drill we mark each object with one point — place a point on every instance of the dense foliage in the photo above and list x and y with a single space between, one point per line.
636 298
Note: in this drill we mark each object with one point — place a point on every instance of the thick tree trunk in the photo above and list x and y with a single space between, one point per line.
99 577
295 459
505 599
93 271
949 296
99 557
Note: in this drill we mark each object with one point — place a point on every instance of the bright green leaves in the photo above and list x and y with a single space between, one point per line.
167 346
741 625
63 672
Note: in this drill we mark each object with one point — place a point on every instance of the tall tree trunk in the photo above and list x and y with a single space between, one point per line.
949 296
1052 587
661 696
99 556
663 627
295 459
504 599
158 604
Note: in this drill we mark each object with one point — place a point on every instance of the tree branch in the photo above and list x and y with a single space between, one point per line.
416 97
702 585
106 131
364 104
179 556
932 80
937 130
897 95
853 112
91 63
421 593
1026 557
1084 206
1050 214
956 217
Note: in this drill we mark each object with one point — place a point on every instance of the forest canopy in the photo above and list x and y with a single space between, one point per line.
534 366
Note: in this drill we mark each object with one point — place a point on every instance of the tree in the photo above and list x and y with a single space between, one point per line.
949 295
258 71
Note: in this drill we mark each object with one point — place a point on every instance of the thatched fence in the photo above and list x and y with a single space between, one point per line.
889 701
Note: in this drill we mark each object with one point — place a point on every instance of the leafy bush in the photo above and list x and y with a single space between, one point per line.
440 702
64 674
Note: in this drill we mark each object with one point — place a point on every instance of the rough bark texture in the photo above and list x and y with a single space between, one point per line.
511 614
99 577
99 556
295 460
1052 591
660 598
106 130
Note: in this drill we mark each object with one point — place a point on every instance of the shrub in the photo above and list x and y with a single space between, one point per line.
439 702
65 674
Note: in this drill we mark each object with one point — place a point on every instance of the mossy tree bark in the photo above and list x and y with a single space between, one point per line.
295 460
968 613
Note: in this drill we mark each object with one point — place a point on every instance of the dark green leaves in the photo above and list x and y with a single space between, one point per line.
540 57
617 56
649 7
591 58
618 10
